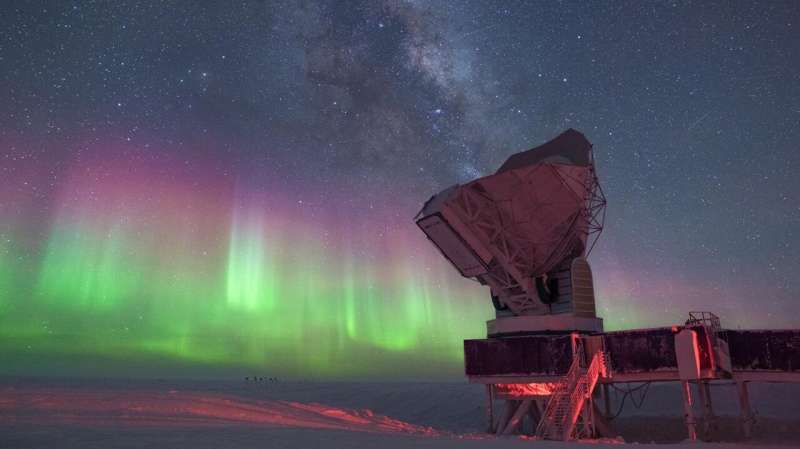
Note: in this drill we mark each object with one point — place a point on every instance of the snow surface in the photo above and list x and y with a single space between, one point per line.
97 413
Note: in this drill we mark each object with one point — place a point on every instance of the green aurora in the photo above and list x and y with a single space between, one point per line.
250 292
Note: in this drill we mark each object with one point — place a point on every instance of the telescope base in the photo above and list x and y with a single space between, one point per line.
533 324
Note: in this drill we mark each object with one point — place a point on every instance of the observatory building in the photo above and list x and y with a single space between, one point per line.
525 232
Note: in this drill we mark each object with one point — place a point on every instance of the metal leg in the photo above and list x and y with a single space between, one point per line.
606 401
601 424
691 425
534 415
744 406
709 420
490 407
511 406
516 418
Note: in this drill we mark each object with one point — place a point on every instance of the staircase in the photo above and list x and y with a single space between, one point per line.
568 399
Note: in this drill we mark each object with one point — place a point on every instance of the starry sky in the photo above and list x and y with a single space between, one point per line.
216 188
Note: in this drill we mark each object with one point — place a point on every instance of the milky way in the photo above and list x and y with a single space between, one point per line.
214 189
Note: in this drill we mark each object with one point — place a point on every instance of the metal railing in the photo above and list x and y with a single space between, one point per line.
552 418
706 319
569 397
583 391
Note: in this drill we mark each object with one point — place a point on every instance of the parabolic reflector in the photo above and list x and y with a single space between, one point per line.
537 213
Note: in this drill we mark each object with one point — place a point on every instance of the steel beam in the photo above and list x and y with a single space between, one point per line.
516 418
691 424
747 416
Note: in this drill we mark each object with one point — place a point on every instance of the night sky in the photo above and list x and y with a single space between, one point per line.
219 188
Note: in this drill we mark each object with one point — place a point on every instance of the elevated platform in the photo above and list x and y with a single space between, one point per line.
550 377
634 356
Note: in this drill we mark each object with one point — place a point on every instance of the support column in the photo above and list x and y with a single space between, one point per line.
691 425
511 406
747 417
602 425
541 403
606 401
516 418
709 420
490 407
534 415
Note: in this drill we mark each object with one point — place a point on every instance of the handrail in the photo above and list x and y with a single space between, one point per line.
560 391
569 397
582 391
707 319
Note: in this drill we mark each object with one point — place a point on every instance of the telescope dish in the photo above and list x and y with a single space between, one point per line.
517 229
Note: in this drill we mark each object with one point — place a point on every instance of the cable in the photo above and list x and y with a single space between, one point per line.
629 392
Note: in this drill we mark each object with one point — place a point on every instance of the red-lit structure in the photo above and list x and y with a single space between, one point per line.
525 232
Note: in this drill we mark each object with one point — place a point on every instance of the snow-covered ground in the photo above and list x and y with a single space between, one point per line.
97 413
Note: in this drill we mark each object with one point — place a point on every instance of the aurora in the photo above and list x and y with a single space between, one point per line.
255 287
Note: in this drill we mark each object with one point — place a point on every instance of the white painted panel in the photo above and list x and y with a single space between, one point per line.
687 353
453 247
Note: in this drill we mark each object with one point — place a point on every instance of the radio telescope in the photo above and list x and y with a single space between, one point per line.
525 232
